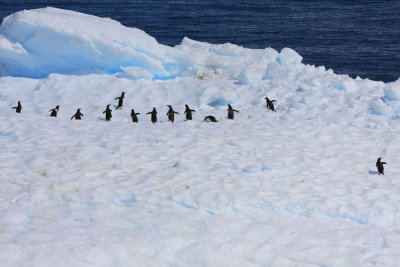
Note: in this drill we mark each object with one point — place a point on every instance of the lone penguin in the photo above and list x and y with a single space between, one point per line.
171 114
188 112
54 111
153 115
210 118
77 115
120 100
231 112
379 166
134 117
108 113
270 104
18 108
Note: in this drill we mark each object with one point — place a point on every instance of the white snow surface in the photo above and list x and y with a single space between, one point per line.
296 187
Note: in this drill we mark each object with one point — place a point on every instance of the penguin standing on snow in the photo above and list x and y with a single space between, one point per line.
108 113
270 104
78 115
171 114
18 108
231 112
134 117
153 115
120 100
379 166
210 118
188 112
54 111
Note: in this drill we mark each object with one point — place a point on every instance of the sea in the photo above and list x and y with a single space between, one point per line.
357 38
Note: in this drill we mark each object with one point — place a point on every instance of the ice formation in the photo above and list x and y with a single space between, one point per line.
293 188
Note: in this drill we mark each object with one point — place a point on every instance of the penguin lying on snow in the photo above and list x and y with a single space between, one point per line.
54 111
133 116
78 115
153 115
230 112
188 112
171 113
108 113
270 104
18 108
379 166
210 118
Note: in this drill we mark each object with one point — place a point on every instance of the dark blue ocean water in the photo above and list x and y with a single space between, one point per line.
359 38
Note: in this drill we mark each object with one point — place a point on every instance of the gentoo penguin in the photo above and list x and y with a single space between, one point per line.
153 115
171 113
120 100
210 118
108 113
270 104
230 112
379 166
18 108
54 111
77 115
134 117
188 112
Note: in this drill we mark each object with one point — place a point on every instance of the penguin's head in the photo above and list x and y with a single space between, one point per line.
169 106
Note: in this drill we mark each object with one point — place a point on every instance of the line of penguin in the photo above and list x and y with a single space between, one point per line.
171 113
171 116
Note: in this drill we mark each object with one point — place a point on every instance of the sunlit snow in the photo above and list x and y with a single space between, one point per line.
296 187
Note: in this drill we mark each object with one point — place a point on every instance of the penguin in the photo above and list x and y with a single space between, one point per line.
108 113
134 117
120 100
153 115
77 115
270 104
230 112
54 111
171 113
18 108
188 112
210 118
379 166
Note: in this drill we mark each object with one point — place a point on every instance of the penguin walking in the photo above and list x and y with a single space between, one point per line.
270 104
134 117
54 111
210 118
379 166
108 113
231 112
188 112
171 114
120 100
153 115
18 108
78 115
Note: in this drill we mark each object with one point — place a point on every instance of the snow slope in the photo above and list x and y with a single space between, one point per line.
293 188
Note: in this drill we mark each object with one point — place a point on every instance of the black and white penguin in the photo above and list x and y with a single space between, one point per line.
171 114
153 115
120 100
78 115
18 108
188 112
134 116
54 111
379 166
270 104
108 113
210 118
230 112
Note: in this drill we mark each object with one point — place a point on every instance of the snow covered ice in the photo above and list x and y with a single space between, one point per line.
296 187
